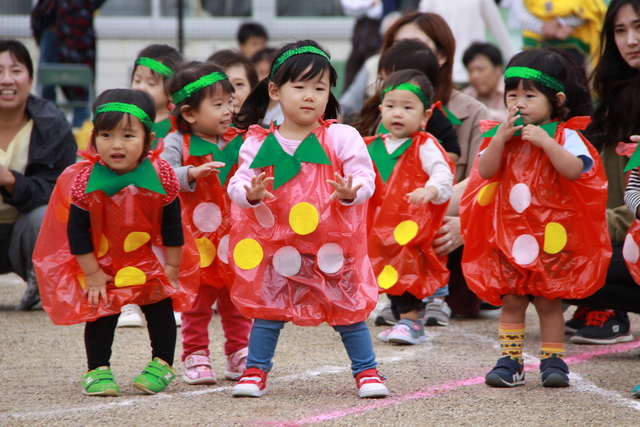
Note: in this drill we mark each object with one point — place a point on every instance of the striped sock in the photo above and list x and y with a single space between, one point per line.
511 340
552 349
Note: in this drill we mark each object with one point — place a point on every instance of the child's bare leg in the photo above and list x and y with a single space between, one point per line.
514 308
411 315
551 319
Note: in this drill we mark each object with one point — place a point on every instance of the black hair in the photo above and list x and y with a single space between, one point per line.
18 52
251 29
293 69
403 55
563 68
112 119
187 73
229 57
166 55
410 76
616 86
489 50
264 54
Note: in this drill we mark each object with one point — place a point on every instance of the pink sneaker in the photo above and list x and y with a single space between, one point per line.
236 363
384 335
197 369
253 383
370 384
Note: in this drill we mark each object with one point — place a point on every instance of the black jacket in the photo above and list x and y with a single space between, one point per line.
52 148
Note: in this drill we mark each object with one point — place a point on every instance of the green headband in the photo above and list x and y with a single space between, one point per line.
536 76
297 51
156 66
121 107
196 86
411 88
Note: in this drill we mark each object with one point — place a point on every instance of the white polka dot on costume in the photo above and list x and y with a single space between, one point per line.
287 261
405 231
135 239
304 218
207 251
207 217
330 258
630 250
264 216
129 276
487 194
555 238
248 254
388 277
520 197
223 249
525 249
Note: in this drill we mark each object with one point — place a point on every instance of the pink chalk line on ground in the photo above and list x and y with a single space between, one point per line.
444 388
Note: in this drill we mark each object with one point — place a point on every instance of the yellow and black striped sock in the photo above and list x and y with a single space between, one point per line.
511 340
551 349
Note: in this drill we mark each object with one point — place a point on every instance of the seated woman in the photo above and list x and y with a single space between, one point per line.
36 145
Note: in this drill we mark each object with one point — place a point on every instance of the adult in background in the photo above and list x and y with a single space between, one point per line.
484 64
602 318
36 145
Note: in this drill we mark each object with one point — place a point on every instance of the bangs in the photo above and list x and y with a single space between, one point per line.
512 83
111 120
294 69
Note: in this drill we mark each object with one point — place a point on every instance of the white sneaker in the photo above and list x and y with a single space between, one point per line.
437 313
178 317
130 316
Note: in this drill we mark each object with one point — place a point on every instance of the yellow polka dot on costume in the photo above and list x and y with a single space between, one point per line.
82 279
388 277
555 238
405 231
487 194
104 246
248 254
207 251
135 239
129 276
303 218
61 212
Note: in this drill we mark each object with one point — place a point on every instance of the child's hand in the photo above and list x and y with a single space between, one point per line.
345 190
508 128
258 189
172 274
205 170
635 138
96 287
422 196
563 32
536 135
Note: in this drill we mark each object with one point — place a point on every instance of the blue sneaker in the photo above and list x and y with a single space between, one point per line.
554 372
506 373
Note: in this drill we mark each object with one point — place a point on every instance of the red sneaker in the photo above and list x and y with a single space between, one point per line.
252 383
370 384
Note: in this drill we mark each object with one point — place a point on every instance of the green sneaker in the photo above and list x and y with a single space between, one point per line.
155 377
100 382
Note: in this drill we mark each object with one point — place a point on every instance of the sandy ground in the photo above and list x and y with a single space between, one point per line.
440 383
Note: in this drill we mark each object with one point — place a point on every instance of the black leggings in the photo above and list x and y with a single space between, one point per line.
98 335
620 291
405 303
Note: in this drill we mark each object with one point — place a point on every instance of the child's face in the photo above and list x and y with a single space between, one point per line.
238 77
251 45
263 68
403 113
303 102
144 80
212 117
121 148
535 107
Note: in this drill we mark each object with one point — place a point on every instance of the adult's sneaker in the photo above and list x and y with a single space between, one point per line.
370 384
407 332
489 311
577 321
554 372
386 317
437 313
506 373
130 317
253 383
604 327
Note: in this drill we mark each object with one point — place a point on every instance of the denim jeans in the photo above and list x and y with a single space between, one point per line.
264 339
